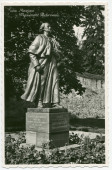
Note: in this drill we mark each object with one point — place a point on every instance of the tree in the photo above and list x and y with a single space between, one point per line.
93 46
21 27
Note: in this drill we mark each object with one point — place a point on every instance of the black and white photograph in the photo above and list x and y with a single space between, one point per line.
54 84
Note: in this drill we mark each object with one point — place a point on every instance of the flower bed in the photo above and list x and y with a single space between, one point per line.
91 151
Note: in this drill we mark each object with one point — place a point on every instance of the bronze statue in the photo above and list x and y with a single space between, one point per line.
43 80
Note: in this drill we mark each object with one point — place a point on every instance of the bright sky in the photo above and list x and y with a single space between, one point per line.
78 32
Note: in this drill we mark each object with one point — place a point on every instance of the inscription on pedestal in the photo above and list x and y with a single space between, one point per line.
47 122
59 122
37 122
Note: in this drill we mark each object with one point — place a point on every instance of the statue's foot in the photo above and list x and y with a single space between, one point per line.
56 105
40 105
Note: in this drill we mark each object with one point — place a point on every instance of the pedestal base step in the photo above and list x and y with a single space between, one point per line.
49 140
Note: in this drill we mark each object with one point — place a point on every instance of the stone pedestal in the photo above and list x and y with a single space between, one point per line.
47 124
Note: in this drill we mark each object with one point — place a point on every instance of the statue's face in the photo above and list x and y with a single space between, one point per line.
47 27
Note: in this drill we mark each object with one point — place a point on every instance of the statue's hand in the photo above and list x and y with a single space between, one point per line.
39 69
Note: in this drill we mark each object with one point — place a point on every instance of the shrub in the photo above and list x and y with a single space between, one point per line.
89 152
90 105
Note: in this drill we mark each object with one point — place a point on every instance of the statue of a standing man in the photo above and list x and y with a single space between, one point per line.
43 80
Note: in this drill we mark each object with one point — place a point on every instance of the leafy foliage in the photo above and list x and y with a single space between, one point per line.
93 47
74 139
89 152
90 104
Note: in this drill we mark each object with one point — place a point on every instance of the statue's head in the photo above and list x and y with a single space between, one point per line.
45 27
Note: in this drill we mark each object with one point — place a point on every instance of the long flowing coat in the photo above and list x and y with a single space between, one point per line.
45 85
